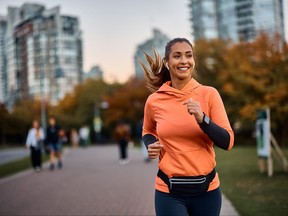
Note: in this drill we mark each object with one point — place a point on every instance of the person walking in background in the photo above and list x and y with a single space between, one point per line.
183 120
62 138
122 134
84 134
54 143
74 137
34 142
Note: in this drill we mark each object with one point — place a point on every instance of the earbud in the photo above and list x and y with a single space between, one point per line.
167 65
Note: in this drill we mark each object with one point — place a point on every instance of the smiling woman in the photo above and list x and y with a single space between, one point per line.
182 121
181 64
181 61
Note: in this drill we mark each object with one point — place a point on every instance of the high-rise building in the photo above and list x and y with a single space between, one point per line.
158 42
204 22
239 20
3 59
44 53
95 73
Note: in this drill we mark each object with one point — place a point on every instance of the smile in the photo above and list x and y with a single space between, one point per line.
183 68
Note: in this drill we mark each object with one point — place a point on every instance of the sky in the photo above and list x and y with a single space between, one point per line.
112 29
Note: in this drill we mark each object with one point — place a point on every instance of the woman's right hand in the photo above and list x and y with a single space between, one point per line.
154 150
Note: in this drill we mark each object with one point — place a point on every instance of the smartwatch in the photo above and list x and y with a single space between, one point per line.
206 120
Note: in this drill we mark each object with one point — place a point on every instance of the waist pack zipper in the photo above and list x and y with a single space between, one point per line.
186 181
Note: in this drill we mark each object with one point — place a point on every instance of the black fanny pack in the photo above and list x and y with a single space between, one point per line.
187 185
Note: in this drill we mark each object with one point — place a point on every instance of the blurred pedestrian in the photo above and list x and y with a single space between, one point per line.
62 138
34 142
122 134
74 138
183 120
54 143
84 134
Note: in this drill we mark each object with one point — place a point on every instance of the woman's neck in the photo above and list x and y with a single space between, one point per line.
179 84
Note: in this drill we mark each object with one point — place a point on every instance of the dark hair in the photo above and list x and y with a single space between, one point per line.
158 74
172 42
51 116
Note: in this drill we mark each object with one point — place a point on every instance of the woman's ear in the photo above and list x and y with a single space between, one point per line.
166 64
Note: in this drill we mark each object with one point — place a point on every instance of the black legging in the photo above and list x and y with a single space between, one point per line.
123 144
35 157
208 204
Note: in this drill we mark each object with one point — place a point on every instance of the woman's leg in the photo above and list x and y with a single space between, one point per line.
33 156
122 149
166 205
59 157
206 204
38 158
52 156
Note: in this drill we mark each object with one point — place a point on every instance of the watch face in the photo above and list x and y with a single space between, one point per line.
206 119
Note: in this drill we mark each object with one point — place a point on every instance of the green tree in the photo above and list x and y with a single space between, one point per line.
19 120
4 123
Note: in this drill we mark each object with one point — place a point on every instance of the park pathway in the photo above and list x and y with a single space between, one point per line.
92 182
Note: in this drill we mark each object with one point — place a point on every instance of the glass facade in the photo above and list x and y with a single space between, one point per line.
204 19
3 59
44 53
227 27
239 20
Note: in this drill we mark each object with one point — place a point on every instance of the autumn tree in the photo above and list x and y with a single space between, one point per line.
78 108
126 103
209 56
255 76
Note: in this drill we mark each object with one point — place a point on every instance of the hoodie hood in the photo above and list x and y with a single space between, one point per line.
191 86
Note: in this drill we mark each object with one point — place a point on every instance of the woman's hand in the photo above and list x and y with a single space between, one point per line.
194 108
154 150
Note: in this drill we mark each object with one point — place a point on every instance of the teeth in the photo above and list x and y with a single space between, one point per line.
183 69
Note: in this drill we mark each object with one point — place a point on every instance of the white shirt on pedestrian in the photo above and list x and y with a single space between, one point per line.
32 139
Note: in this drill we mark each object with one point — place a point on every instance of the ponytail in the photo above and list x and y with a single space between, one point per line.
157 74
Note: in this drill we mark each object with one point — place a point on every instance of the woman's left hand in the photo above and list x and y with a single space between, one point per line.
194 108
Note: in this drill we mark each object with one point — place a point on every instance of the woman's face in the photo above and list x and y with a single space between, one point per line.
181 61
52 121
35 124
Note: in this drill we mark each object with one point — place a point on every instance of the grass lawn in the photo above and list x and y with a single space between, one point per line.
251 192
18 165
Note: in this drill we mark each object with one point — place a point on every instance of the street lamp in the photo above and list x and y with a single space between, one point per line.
59 73
97 122
43 105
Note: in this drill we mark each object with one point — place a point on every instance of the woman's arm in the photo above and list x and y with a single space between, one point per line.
149 125
42 136
29 138
149 139
218 135
219 129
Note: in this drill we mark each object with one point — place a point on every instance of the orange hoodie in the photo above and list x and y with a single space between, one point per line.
187 150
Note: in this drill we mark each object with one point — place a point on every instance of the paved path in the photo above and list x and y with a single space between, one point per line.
11 154
92 182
